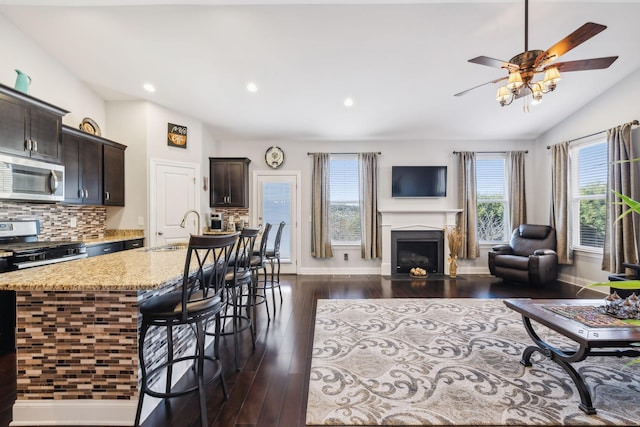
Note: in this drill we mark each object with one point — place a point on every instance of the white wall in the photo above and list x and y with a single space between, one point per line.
393 153
127 117
618 105
51 82
142 126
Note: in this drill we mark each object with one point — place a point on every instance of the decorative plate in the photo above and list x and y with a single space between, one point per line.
90 126
274 157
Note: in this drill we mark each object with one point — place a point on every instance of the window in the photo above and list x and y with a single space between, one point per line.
344 199
492 203
588 192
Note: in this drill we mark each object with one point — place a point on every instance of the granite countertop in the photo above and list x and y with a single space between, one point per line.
135 269
115 236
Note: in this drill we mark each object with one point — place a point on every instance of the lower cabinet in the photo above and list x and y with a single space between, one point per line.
107 248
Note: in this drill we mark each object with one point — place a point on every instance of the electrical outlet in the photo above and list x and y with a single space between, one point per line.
73 223
346 257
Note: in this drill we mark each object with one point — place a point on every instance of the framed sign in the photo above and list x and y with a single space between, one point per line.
176 136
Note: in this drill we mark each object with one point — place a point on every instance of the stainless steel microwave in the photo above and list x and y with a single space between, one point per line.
26 179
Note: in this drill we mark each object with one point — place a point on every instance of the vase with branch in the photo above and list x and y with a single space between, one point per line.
454 238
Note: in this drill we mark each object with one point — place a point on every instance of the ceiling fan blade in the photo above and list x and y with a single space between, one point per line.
574 39
583 64
483 84
491 62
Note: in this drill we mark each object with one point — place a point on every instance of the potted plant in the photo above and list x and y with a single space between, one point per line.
633 207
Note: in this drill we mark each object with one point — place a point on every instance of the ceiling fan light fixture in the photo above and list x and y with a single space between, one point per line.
515 81
536 93
503 95
551 78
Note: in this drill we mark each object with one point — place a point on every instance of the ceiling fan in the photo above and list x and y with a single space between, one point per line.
524 66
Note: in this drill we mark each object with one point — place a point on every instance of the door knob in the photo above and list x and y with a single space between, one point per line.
160 233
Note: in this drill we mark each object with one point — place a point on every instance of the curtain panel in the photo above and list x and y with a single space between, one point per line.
620 241
467 200
516 188
320 236
369 224
560 201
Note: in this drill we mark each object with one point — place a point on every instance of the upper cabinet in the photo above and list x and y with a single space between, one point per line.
82 158
229 178
94 169
30 127
114 175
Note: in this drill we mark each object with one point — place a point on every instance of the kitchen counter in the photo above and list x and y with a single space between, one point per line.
77 335
137 269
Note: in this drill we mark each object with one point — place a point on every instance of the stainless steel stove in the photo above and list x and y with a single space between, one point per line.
21 239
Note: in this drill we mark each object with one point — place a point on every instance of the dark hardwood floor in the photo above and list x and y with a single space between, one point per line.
271 388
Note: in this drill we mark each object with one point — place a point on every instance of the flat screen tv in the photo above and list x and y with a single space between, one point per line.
418 181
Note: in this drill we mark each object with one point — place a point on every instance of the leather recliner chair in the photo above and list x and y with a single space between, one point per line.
530 257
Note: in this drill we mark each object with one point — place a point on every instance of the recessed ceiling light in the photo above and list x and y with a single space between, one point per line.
149 87
348 102
252 87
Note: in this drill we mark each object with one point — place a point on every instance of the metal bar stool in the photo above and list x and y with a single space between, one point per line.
239 277
258 262
198 300
273 256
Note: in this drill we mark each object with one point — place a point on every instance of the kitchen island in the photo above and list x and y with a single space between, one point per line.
76 333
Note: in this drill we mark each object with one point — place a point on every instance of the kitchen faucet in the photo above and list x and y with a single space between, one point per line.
184 219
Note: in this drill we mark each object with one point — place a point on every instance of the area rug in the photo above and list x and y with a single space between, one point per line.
451 362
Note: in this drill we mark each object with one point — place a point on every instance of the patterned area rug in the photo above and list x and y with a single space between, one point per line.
451 362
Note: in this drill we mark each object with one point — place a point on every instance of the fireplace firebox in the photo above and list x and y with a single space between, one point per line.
417 248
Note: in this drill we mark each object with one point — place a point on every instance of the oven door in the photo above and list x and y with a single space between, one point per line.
26 179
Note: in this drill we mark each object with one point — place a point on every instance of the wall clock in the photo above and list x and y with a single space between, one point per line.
274 157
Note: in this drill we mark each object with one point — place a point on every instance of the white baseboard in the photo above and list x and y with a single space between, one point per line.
74 412
340 271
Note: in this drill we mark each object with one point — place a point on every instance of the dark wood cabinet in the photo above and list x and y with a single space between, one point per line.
229 178
133 244
30 127
114 175
94 169
104 248
111 247
82 158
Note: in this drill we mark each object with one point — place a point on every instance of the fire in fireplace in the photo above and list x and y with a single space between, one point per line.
417 248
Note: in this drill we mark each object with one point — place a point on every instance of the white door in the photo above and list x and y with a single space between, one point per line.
173 193
278 200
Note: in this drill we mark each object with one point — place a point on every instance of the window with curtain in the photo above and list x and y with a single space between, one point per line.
492 200
344 199
588 172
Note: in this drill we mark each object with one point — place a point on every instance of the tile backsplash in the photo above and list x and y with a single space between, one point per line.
57 220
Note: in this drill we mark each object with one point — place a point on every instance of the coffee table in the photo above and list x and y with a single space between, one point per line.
614 340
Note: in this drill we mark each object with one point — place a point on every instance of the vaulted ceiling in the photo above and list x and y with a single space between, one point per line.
400 61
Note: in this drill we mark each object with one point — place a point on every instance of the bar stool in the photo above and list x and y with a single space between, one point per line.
273 256
198 300
258 262
238 277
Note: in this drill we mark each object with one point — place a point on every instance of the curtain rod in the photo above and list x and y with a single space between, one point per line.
633 123
378 153
490 152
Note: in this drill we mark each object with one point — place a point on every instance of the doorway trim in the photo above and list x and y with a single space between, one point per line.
254 205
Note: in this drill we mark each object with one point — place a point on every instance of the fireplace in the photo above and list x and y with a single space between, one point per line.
417 248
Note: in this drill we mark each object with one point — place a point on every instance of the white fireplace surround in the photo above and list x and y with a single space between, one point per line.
413 219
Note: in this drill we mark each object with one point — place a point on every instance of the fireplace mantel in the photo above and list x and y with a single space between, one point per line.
412 219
